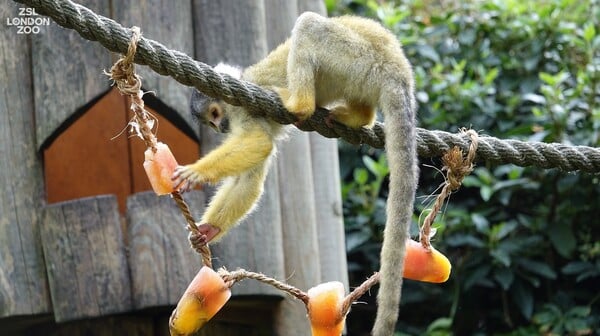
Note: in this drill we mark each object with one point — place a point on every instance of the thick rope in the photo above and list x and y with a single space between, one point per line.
262 102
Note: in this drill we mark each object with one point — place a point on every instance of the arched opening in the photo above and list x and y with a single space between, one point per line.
83 160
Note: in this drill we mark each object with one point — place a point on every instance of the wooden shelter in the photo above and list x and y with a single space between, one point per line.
85 248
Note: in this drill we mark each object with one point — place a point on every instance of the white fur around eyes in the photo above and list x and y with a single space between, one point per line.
231 70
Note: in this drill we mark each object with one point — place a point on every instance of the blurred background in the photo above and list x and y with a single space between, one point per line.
524 242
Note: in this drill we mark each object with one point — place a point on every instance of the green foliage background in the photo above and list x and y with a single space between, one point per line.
524 242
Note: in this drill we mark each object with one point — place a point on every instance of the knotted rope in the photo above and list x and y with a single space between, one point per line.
129 83
262 102
456 168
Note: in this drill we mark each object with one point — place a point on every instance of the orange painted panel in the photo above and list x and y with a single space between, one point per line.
84 161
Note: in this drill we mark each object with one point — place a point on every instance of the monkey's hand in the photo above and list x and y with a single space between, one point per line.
205 234
187 177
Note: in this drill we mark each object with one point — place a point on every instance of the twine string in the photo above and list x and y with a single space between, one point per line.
129 83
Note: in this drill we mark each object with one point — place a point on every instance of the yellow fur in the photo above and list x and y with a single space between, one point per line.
354 115
237 154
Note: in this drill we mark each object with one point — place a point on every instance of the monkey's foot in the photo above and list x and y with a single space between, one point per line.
185 178
302 105
354 116
204 235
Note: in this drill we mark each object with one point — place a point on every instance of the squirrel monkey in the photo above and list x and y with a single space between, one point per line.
241 161
354 65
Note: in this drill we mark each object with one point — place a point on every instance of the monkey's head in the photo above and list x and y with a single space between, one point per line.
209 111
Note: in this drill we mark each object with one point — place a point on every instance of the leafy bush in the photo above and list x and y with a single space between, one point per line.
524 242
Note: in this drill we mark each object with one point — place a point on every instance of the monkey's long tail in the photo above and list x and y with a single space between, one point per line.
398 106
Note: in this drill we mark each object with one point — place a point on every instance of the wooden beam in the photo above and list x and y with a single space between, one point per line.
85 258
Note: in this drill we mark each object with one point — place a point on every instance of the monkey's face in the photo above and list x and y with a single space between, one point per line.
209 111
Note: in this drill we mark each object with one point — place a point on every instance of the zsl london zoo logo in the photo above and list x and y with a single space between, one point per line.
27 21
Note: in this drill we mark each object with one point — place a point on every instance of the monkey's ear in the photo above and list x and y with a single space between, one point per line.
198 103
231 70
215 117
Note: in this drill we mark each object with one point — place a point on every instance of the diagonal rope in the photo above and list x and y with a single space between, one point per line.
262 102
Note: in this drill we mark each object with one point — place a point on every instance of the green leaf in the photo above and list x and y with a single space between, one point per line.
575 267
481 223
370 164
472 181
562 238
501 256
579 311
442 323
537 267
503 229
484 175
548 315
547 78
523 299
464 240
428 52
361 176
491 76
589 32
535 98
478 274
485 192
577 327
504 276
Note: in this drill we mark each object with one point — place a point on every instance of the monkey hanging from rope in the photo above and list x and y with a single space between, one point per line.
352 65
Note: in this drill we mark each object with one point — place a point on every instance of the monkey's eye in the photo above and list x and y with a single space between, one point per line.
214 113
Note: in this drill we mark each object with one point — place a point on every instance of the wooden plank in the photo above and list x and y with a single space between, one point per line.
281 17
169 22
23 285
85 258
107 326
317 6
328 207
67 74
161 260
230 31
241 39
299 229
